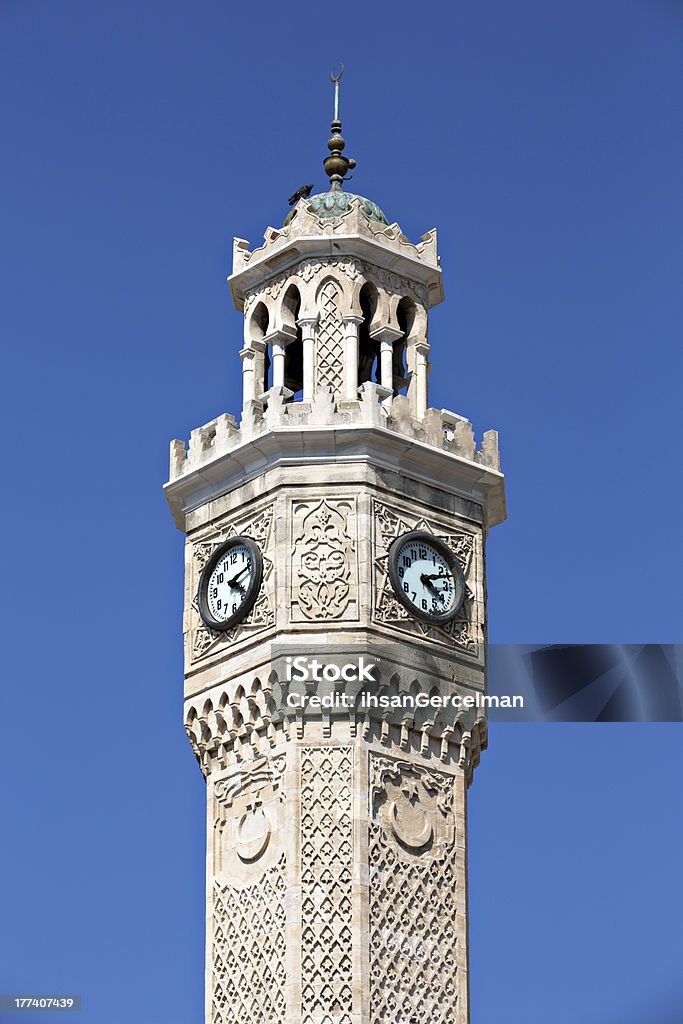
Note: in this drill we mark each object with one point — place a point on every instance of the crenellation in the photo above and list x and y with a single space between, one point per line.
276 409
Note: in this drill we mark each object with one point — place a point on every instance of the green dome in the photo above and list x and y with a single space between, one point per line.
333 204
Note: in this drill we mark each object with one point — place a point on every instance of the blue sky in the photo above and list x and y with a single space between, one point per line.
543 140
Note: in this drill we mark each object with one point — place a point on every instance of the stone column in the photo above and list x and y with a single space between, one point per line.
421 367
278 351
351 324
386 336
278 341
307 326
247 356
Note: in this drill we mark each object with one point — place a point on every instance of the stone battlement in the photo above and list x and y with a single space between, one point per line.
439 428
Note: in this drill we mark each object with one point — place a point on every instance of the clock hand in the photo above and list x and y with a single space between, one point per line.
427 580
233 582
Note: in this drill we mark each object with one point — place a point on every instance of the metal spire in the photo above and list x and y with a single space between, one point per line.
337 166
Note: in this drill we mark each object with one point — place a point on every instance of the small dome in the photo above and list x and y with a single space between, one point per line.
333 204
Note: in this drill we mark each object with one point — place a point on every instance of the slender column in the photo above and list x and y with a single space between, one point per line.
307 326
386 336
247 355
278 354
351 325
421 366
386 359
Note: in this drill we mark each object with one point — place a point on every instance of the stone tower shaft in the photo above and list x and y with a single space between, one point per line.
336 834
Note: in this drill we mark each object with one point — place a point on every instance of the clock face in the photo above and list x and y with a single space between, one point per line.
230 582
426 576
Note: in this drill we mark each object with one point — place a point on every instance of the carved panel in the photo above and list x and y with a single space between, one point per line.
413 895
202 640
326 885
329 345
248 957
248 817
466 631
324 560
249 919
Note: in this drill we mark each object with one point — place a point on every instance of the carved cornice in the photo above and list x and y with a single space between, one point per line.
384 249
235 724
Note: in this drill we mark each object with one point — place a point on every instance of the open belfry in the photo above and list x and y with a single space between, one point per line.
342 522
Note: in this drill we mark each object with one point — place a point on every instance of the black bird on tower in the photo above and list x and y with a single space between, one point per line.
301 193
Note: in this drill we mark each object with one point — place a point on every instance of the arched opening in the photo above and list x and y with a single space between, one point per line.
259 322
258 329
405 314
294 352
368 348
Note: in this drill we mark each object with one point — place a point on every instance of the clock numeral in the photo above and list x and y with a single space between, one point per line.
234 607
401 570
423 553
220 577
424 605
406 587
407 562
233 557
219 604
214 592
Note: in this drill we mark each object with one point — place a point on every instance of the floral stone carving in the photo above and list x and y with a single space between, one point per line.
324 567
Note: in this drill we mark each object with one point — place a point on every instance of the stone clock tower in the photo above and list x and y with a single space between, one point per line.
341 514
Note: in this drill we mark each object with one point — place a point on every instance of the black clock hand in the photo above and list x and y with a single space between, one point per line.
427 580
233 582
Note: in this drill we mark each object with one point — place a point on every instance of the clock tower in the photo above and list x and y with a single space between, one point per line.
336 533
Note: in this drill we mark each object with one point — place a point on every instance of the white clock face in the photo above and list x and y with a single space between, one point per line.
426 576
230 582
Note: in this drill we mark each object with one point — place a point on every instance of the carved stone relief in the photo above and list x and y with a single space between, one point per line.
326 885
324 560
248 953
248 815
352 268
249 915
413 895
329 343
204 641
466 630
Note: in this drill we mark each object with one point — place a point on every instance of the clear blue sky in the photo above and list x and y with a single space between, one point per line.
544 142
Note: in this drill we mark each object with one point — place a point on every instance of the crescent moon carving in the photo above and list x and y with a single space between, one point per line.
414 841
252 845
